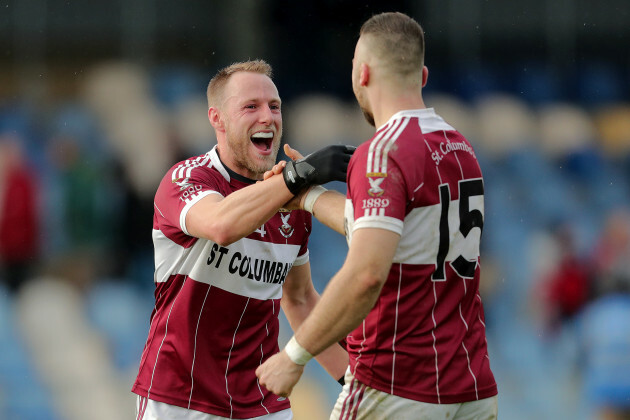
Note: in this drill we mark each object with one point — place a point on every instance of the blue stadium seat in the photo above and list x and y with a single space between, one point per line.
22 396
119 312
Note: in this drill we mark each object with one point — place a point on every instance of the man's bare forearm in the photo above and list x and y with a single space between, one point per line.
329 210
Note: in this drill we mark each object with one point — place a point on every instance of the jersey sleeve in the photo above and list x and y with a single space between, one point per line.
176 196
379 198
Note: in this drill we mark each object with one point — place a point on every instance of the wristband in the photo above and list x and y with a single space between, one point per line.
297 353
312 196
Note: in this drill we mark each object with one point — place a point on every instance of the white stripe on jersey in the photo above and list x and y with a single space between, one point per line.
192 367
374 212
378 221
461 170
379 137
471 372
360 352
184 170
157 355
227 366
400 270
374 152
390 143
437 369
421 229
381 145
370 219
172 259
262 356
462 315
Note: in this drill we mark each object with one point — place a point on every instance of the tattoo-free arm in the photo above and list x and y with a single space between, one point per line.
352 292
225 220
347 300
299 297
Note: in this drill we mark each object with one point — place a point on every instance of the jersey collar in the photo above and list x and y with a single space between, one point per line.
227 173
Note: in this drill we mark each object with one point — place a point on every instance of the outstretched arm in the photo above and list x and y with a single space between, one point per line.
299 297
347 300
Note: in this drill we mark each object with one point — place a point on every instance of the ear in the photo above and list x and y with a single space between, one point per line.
425 75
215 119
364 74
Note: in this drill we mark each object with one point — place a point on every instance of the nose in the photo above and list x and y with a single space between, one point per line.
265 116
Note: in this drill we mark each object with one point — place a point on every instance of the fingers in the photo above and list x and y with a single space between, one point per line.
292 153
279 374
276 170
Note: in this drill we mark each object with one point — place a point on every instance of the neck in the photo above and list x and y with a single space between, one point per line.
389 102
243 175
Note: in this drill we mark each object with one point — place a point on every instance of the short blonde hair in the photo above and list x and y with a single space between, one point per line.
397 41
218 82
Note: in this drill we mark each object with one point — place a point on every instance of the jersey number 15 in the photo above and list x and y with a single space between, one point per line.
468 219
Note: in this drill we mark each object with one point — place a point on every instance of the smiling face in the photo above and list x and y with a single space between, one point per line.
249 124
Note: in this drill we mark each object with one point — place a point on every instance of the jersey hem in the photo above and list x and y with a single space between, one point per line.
381 222
211 409
462 397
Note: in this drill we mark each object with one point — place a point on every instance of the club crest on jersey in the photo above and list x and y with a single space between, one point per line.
182 183
375 189
286 229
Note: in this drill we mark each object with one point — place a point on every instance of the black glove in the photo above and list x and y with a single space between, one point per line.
327 164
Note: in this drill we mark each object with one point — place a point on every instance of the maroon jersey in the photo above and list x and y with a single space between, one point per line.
425 337
216 308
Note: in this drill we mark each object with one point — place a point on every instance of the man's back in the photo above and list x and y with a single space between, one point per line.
425 337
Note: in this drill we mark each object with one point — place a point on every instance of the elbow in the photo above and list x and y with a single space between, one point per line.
224 237
220 233
371 281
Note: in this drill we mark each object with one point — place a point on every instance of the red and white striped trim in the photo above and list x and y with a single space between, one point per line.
142 407
381 145
184 170
351 404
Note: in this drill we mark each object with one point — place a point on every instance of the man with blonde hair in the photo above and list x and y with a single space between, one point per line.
407 296
227 259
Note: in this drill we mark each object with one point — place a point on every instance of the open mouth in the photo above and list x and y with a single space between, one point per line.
262 140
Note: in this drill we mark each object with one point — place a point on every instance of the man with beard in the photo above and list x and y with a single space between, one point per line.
226 259
407 296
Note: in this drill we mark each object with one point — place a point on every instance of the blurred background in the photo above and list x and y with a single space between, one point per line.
98 99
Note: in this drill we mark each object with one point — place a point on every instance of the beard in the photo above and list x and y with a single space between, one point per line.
240 147
369 116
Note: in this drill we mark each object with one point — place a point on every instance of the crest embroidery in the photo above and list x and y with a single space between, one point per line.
375 187
286 229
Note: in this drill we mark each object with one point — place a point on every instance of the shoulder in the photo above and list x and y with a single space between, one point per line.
197 169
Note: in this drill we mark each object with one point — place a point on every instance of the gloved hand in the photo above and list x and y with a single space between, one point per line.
327 164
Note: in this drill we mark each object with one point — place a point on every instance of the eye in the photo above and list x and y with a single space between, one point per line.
251 106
